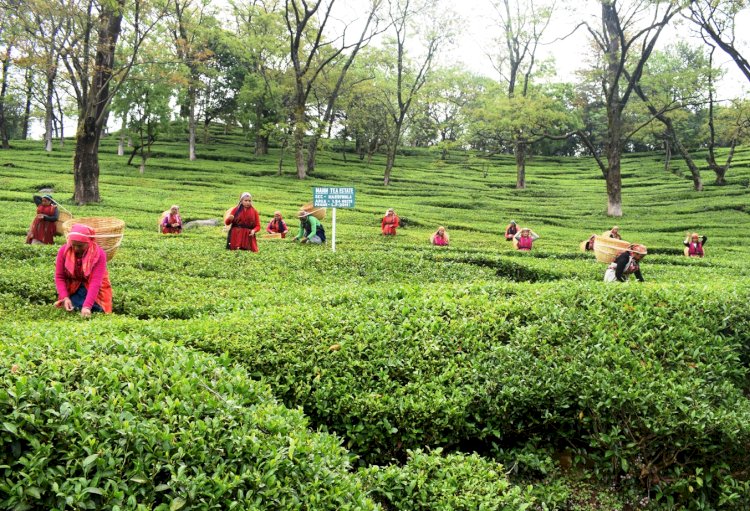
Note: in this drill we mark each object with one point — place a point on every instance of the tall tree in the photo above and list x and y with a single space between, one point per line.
733 124
261 39
47 26
5 57
415 23
522 26
625 40
675 81
340 69
311 53
95 76
189 20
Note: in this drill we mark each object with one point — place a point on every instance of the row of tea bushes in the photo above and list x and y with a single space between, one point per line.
92 421
640 380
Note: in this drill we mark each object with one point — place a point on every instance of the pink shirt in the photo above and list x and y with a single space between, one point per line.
94 283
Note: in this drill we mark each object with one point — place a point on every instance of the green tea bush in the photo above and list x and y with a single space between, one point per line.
144 425
432 481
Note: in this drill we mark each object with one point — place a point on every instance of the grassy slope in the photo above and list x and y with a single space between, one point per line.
401 309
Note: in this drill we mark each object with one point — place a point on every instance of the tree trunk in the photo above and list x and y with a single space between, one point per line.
191 122
62 123
520 153
48 113
614 154
27 106
389 162
121 144
4 143
281 154
299 141
614 115
312 149
93 112
86 163
261 145
667 155
694 171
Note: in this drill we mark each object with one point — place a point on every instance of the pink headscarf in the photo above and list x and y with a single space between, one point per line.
84 234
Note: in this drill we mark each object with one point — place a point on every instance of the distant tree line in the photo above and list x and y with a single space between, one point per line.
298 73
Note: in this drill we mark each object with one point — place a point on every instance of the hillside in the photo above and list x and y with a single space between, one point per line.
466 373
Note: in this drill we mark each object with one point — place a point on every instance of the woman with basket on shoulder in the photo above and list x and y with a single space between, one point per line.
43 228
626 264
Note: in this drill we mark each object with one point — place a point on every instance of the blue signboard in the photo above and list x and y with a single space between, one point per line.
333 197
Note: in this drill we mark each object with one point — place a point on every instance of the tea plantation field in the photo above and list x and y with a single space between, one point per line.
390 374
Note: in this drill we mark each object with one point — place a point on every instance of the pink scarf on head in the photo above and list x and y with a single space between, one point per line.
85 234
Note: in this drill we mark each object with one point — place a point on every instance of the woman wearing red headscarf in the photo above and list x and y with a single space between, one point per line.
42 230
81 275
243 222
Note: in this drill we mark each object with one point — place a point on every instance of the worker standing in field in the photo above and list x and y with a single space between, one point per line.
694 245
524 239
310 229
390 223
626 264
81 276
43 228
244 223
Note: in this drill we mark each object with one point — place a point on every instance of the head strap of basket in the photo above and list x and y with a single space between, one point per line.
81 233
302 213
638 249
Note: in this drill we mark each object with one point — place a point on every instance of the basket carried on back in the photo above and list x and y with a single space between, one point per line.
319 213
62 217
109 231
606 249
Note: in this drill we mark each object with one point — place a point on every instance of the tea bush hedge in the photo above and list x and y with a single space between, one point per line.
140 424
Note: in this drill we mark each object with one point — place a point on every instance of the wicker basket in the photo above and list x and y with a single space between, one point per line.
108 231
319 213
606 249
62 217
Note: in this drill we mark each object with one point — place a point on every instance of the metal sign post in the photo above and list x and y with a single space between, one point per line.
333 197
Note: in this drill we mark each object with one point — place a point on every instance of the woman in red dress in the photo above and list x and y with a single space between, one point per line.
243 222
42 230
390 223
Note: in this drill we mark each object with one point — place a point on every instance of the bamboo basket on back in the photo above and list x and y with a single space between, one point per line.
62 217
606 249
108 232
319 213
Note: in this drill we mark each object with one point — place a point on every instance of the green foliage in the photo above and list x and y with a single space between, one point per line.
146 425
431 481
